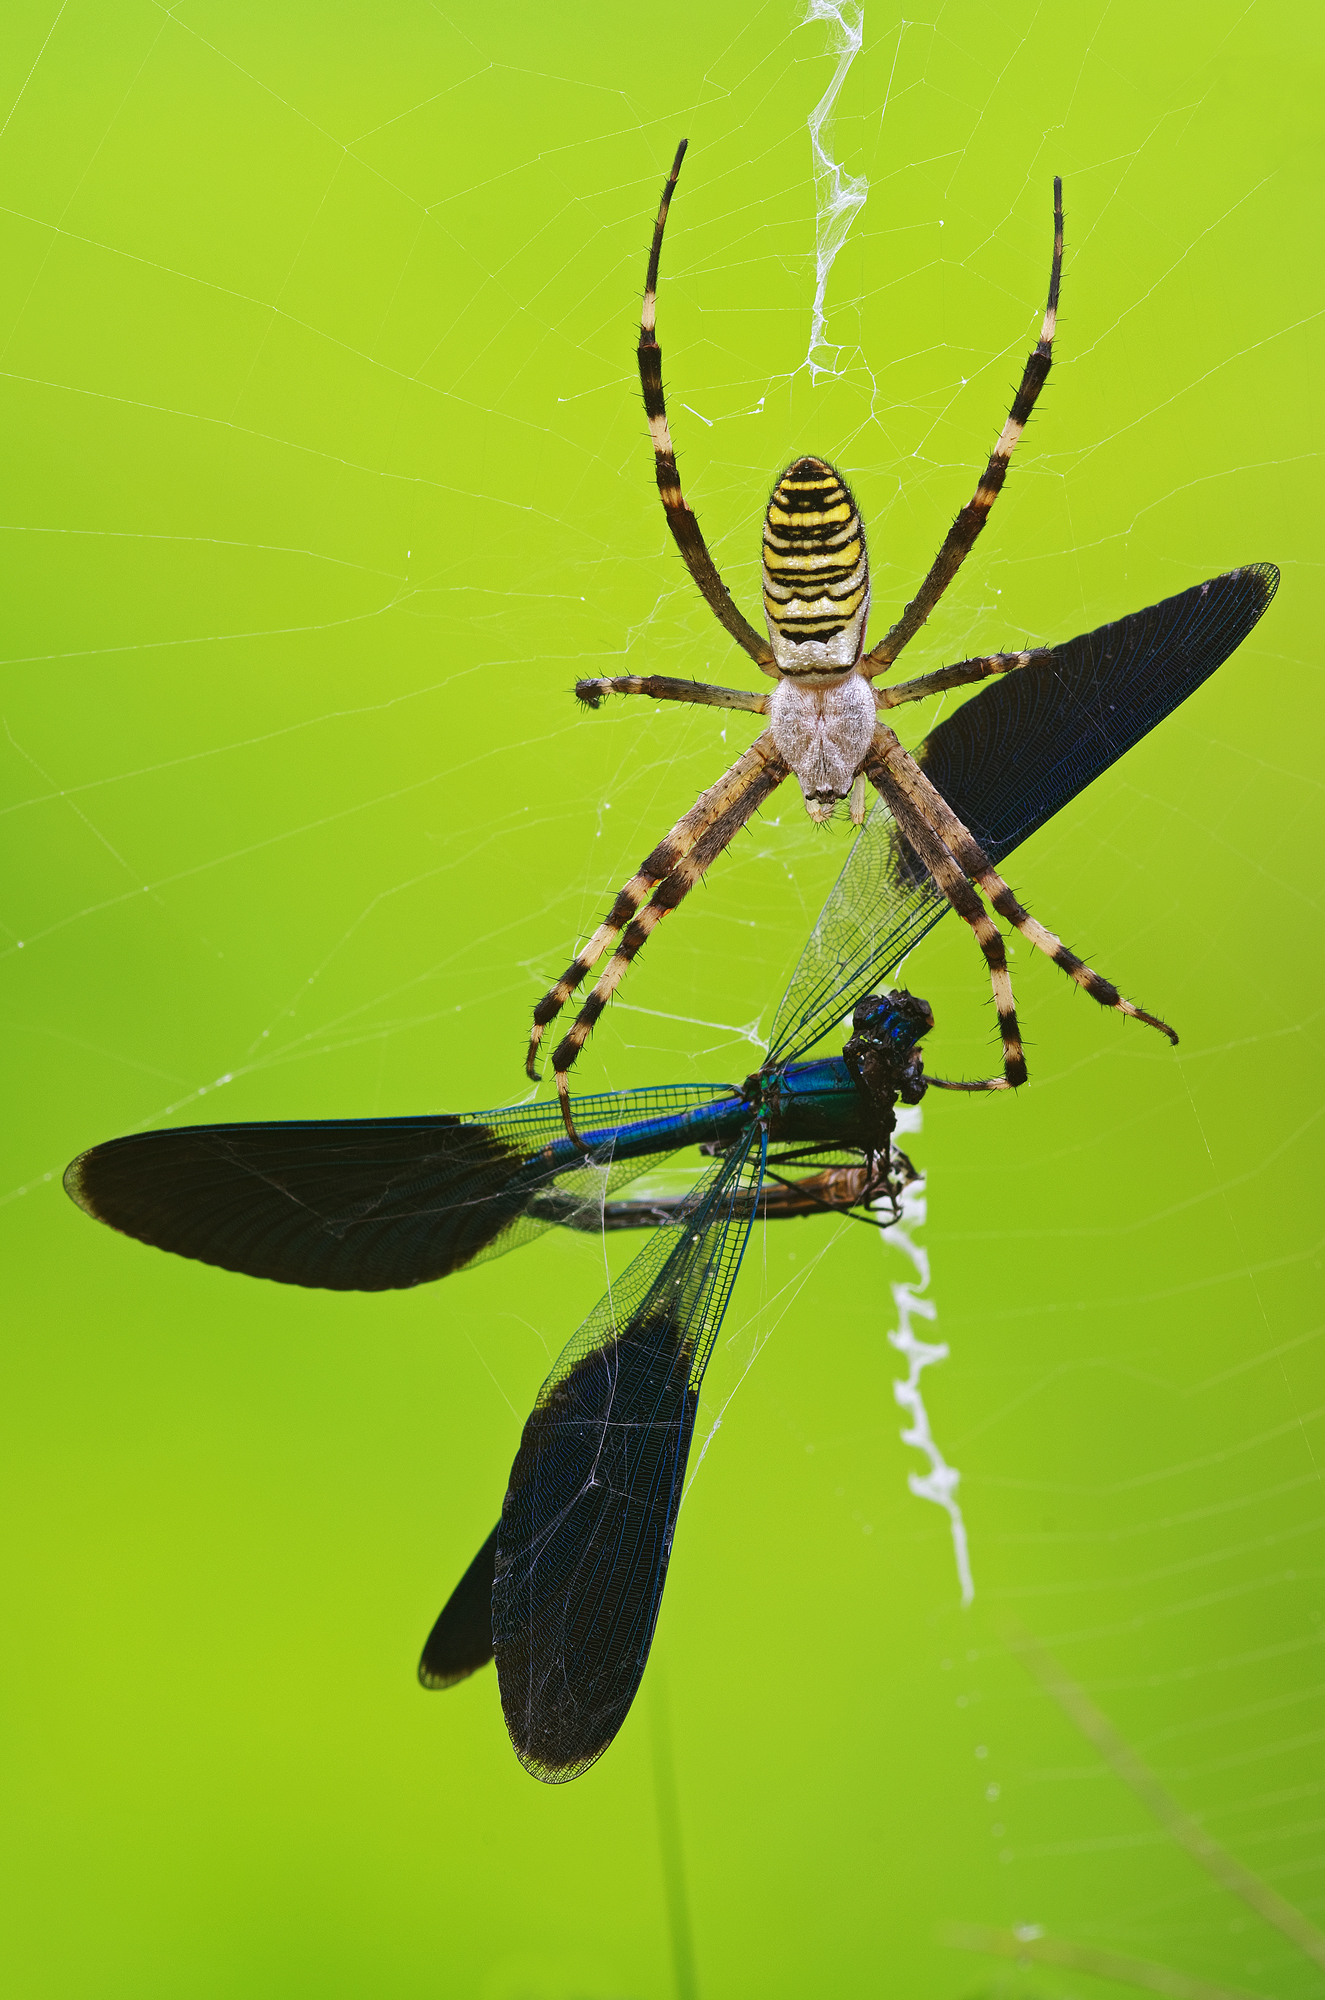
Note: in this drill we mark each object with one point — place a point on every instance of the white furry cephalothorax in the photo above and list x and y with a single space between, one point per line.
823 733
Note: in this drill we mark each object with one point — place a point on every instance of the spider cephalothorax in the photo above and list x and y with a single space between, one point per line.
824 720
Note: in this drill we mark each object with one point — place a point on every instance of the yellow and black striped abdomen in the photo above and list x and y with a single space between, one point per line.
816 571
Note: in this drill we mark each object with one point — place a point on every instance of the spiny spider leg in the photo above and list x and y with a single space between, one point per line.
949 877
961 535
703 694
684 526
963 1083
975 863
653 869
958 676
660 687
764 772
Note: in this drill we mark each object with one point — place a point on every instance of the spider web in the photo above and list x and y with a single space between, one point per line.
327 478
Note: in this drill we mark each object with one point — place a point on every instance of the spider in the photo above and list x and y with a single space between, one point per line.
823 713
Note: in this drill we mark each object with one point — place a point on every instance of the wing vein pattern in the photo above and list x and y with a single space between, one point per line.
586 1527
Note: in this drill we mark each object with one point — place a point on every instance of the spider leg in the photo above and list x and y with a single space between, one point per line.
975 863
761 778
655 869
958 676
684 526
950 878
961 535
563 1098
659 687
964 1083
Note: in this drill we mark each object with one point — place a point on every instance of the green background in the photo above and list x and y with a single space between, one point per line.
324 476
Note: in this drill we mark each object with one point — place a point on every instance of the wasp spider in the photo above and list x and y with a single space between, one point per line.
823 713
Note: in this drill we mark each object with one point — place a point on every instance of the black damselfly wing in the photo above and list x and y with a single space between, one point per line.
461 1640
1031 741
587 1524
362 1204
347 1204
1006 762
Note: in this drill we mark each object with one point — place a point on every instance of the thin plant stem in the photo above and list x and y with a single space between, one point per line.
1188 1832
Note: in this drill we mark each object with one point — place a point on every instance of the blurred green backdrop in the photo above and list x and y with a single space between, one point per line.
325 474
